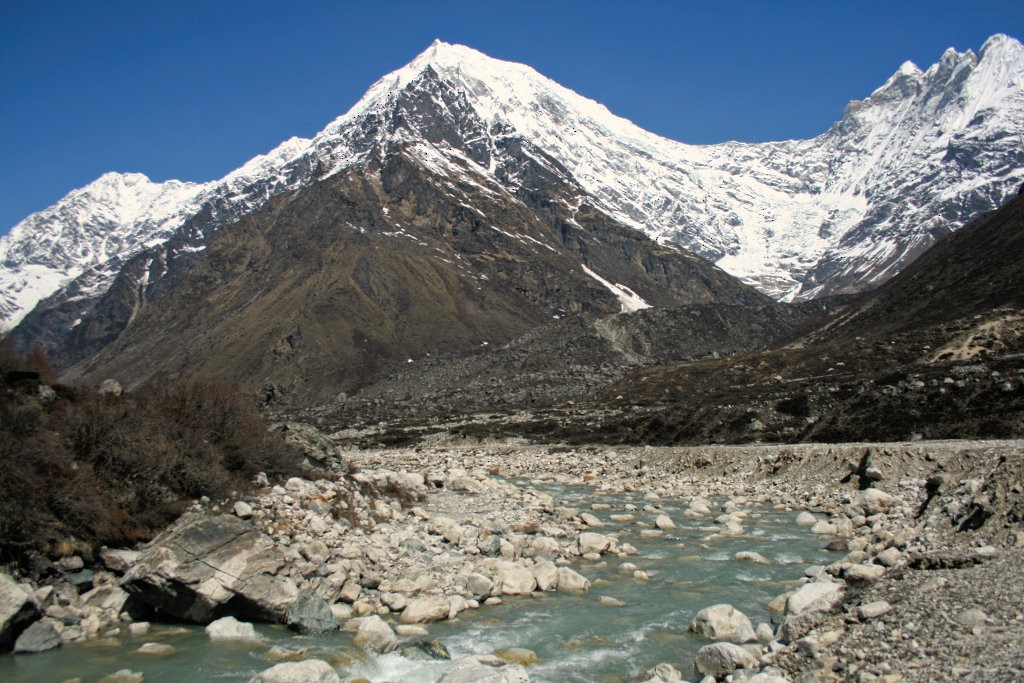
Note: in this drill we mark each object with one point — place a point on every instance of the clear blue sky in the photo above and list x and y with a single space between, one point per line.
192 89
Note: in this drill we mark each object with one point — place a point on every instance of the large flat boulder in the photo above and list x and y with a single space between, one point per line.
205 566
17 611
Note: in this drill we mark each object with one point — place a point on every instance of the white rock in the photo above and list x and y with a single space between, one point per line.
306 671
479 585
484 669
863 572
229 628
375 635
425 609
806 519
723 622
873 610
873 501
514 579
819 597
751 556
664 522
546 575
721 659
569 581
590 542
243 509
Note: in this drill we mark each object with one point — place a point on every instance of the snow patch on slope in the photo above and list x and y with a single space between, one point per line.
630 300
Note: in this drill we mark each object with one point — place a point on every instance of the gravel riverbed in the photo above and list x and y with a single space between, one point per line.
928 586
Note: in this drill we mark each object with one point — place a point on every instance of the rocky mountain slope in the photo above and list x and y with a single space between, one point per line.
381 265
841 212
935 352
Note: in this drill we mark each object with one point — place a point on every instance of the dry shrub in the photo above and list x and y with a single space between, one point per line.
105 469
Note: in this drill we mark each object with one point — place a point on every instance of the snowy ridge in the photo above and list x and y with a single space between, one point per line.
115 215
923 154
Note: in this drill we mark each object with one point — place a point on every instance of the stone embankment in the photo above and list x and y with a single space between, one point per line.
929 587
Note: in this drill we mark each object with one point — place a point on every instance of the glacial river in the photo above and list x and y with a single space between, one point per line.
577 638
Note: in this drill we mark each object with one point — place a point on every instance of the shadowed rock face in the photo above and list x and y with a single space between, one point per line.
326 289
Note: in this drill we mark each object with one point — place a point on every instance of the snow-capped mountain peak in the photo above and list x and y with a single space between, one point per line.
920 156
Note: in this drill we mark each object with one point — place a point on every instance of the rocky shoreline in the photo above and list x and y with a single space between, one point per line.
928 589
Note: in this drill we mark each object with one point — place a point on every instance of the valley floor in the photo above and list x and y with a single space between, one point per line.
944 597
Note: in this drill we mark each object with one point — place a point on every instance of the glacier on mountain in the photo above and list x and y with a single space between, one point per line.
923 154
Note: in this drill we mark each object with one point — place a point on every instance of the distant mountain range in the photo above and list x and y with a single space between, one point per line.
465 200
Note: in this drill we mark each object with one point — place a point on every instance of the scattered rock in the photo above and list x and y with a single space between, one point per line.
40 636
375 636
426 609
570 581
518 655
311 614
229 628
723 622
873 610
306 671
751 556
156 649
721 659
815 597
123 676
484 669
864 573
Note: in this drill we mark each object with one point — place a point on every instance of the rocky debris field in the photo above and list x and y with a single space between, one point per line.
929 588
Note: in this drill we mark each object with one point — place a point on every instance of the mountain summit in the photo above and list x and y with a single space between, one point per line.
841 212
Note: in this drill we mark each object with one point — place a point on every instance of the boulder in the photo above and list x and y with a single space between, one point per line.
546 575
311 614
426 650
306 671
752 556
664 522
242 509
17 611
40 636
424 609
590 542
117 559
721 659
229 628
518 655
663 673
873 501
199 564
723 622
479 585
514 579
374 635
889 557
156 649
570 581
484 669
873 610
544 548
123 676
815 597
863 573
806 519
106 597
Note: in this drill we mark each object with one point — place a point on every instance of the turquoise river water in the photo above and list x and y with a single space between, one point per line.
576 637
